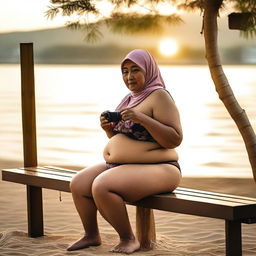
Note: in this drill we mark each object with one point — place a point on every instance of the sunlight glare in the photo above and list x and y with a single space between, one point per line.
166 9
168 47
105 8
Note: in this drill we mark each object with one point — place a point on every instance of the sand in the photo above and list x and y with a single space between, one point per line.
177 234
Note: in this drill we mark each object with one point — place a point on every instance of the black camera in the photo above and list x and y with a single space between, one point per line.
112 116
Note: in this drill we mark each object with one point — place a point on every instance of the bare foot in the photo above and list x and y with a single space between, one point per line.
127 246
85 242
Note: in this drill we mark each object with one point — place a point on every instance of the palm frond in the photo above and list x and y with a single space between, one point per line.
137 23
67 8
52 12
93 33
91 30
244 5
192 5
74 25
126 3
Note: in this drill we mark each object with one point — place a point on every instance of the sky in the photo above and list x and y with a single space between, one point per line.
27 15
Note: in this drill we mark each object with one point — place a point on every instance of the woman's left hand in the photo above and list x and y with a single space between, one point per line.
132 115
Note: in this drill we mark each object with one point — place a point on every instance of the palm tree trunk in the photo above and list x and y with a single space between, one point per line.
221 83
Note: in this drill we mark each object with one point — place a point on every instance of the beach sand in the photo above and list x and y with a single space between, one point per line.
177 234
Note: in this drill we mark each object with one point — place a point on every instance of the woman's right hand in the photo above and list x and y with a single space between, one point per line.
106 125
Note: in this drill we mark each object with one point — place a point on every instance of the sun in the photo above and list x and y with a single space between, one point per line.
168 46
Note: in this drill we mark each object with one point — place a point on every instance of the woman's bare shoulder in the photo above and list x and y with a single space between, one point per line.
161 94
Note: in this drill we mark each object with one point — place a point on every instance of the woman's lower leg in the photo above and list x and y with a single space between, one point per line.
87 211
113 209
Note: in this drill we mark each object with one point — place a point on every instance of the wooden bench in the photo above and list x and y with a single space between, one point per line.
233 209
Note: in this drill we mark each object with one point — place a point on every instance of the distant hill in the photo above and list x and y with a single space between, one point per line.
65 46
50 46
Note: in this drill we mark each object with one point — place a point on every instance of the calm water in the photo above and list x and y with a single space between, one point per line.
70 98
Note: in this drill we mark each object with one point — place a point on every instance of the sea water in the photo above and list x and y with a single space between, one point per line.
70 98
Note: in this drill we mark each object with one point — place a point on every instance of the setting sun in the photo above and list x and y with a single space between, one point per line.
168 47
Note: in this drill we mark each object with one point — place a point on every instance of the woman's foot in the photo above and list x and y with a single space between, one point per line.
85 242
127 246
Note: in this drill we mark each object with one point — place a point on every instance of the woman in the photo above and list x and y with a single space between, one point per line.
140 155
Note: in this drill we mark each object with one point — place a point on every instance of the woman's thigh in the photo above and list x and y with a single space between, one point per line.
135 181
81 183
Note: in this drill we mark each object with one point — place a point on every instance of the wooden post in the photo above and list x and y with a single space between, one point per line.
34 194
145 228
28 105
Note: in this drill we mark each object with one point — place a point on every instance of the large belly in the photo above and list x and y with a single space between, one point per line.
122 149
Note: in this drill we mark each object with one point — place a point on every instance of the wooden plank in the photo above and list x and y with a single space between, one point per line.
44 171
213 194
199 207
202 199
228 200
61 169
28 173
58 183
172 203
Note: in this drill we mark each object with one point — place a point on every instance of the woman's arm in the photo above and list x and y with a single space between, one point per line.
164 126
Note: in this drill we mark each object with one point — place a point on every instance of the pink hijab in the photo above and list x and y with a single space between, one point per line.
153 78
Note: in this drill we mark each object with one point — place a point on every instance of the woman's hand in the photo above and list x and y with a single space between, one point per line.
106 125
132 115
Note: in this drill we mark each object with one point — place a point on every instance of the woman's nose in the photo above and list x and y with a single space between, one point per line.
130 75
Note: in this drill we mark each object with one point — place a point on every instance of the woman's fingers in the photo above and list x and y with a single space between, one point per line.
130 114
126 114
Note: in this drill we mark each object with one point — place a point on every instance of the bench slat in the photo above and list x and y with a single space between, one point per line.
184 204
58 169
217 195
43 171
236 201
54 182
203 199
39 174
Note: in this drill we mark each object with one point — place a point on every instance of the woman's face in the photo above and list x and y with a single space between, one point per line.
133 76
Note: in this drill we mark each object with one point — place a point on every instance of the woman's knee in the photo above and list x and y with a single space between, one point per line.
80 186
74 184
99 186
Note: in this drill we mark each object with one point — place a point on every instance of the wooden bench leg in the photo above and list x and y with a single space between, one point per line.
233 238
145 228
35 211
